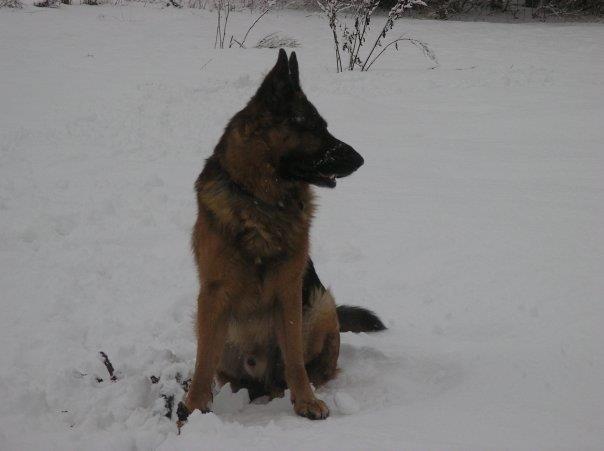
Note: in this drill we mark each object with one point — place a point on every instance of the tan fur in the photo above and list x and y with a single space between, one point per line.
235 237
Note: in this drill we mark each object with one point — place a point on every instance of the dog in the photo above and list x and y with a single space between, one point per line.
265 322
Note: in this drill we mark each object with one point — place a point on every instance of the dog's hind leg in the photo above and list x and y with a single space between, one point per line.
324 367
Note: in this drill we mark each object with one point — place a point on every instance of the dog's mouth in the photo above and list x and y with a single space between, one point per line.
328 180
322 168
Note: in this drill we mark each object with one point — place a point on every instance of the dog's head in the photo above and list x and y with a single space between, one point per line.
303 149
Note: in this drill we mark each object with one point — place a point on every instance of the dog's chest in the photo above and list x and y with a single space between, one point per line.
260 231
269 232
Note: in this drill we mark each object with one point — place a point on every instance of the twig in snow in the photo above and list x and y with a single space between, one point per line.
109 366
242 43
169 403
206 63
426 50
183 383
181 411
168 399
183 414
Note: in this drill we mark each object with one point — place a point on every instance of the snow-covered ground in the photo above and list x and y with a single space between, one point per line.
475 229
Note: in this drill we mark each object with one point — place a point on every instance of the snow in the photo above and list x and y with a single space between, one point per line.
475 230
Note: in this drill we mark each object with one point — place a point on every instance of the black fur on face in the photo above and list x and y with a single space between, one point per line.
307 151
332 159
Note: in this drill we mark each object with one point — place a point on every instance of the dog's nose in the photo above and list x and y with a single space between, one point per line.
349 160
355 158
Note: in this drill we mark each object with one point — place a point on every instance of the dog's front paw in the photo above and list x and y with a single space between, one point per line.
185 409
198 401
315 409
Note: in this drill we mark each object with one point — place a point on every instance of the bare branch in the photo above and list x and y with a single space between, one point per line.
252 26
426 50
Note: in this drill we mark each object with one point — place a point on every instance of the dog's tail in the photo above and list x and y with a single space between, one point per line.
358 319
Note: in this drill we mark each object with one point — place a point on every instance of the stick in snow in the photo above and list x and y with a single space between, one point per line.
182 413
108 365
169 404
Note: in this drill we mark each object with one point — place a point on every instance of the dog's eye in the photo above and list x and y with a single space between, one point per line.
305 122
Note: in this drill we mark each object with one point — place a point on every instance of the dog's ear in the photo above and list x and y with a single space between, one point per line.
277 88
294 73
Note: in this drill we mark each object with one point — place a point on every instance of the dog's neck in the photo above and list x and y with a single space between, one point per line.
249 167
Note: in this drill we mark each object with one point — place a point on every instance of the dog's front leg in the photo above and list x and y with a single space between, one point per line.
211 335
288 325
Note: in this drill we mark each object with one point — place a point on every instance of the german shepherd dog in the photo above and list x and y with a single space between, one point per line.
264 320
